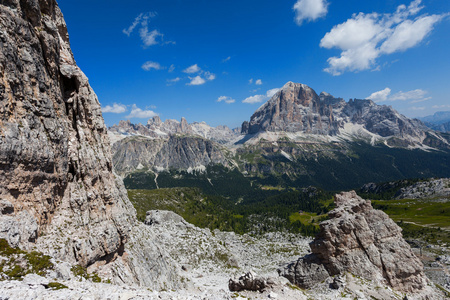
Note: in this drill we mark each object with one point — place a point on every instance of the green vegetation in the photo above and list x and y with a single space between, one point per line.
239 215
81 271
432 213
56 286
19 263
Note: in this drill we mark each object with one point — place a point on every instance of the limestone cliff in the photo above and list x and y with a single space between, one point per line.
58 192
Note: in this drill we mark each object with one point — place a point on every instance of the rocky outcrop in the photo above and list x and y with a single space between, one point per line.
426 189
177 152
363 241
58 192
297 108
250 282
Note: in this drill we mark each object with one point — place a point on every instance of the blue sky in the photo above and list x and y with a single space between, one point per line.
219 60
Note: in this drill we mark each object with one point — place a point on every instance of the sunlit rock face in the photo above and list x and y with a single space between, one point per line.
363 241
56 176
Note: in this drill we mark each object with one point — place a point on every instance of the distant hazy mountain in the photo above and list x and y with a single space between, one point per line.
440 121
439 117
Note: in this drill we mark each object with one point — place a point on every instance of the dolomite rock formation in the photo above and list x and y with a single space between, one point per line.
297 108
176 152
58 192
363 241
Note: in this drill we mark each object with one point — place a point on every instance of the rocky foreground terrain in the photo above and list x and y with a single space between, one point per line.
223 265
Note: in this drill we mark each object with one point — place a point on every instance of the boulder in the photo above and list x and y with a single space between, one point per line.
363 241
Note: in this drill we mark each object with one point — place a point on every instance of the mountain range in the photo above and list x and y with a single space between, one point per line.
297 138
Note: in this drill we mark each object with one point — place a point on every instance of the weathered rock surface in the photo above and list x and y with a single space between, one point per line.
297 108
177 152
363 241
58 192
249 281
426 189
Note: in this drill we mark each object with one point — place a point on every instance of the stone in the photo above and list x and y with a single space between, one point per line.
362 241
248 281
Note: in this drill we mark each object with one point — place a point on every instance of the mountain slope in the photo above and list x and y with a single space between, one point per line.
296 108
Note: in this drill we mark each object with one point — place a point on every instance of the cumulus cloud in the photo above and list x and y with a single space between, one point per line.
411 95
197 80
309 10
201 78
192 69
272 92
147 66
261 98
173 80
255 99
365 37
226 99
209 76
414 96
171 68
226 59
380 96
138 113
258 82
148 37
115 108
250 81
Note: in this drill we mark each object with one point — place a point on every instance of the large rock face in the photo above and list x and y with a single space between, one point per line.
363 241
56 175
297 108
177 152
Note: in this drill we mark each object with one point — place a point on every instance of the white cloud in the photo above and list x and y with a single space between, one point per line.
115 108
415 96
226 99
309 10
171 68
255 99
209 76
148 37
151 65
226 59
440 106
408 34
138 113
380 95
174 79
250 81
365 37
272 92
142 18
261 98
197 80
411 95
258 82
420 100
192 69
415 108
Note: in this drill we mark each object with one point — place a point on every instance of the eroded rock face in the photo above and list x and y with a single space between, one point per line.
297 108
363 241
56 173
177 152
